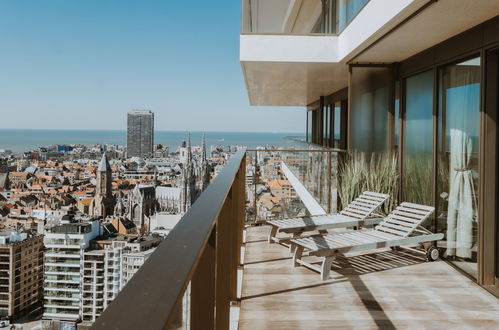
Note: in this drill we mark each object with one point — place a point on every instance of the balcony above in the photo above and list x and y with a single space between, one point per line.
292 83
289 57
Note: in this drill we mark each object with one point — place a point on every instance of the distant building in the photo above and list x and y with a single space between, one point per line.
102 281
142 204
140 133
65 246
108 268
21 273
132 262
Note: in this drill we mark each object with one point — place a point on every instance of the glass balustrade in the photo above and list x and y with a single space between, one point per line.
299 17
274 175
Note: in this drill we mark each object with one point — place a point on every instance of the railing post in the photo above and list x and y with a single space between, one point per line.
241 208
203 288
329 183
255 182
238 203
223 262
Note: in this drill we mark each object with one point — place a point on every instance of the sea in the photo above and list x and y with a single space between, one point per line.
20 140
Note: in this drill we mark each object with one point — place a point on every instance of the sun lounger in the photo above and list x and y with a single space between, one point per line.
360 212
402 227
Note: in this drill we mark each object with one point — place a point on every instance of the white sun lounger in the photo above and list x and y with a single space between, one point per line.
402 227
359 212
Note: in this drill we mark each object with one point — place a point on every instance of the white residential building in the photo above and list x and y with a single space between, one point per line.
65 245
102 280
132 262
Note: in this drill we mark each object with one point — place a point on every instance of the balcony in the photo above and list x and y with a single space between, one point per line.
294 51
216 269
384 290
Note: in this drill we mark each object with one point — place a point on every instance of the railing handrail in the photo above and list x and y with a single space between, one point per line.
149 299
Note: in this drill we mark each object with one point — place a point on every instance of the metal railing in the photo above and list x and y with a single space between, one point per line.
191 278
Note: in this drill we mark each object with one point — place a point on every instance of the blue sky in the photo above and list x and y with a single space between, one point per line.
83 64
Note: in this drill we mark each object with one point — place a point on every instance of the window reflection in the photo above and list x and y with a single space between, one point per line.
369 108
337 125
418 139
458 141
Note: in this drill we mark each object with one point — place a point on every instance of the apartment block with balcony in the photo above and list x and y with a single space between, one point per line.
93 290
411 81
64 256
406 90
21 273
132 261
108 264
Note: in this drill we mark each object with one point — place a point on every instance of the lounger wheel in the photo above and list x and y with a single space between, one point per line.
432 254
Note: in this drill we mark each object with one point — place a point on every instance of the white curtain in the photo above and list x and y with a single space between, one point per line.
461 197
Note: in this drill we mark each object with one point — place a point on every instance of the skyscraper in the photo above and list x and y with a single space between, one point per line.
140 133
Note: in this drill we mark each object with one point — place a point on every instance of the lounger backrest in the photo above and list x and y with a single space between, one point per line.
405 219
363 206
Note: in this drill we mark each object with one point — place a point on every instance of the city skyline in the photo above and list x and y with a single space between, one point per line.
94 61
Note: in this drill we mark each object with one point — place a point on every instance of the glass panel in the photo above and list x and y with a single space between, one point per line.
337 125
309 128
325 125
275 195
312 16
458 140
418 140
396 115
370 108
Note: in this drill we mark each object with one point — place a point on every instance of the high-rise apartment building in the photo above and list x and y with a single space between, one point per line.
140 133
102 280
65 245
85 269
21 273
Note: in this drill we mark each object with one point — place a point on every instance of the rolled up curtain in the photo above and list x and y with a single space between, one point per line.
461 197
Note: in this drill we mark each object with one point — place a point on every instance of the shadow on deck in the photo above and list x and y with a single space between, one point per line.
385 290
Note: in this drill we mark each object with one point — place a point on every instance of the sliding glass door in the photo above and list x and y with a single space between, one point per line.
458 154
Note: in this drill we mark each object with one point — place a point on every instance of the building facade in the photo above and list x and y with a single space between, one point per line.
21 273
102 280
140 133
63 279
414 80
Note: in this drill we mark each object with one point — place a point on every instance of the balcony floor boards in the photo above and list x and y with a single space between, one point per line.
387 290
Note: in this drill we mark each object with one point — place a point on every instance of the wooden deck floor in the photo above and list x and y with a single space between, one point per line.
387 290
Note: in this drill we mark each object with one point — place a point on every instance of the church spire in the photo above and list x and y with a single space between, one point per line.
189 152
203 149
104 164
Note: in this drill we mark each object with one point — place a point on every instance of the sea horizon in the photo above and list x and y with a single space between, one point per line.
20 140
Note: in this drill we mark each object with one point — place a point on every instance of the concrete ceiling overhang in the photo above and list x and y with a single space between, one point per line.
290 70
292 83
439 21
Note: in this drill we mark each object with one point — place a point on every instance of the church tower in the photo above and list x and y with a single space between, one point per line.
103 203
205 174
188 180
